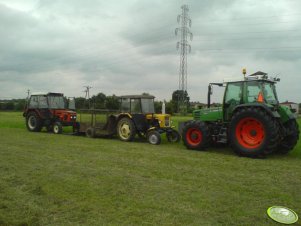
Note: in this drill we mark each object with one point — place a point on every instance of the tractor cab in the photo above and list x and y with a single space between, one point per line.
137 104
141 107
51 110
255 89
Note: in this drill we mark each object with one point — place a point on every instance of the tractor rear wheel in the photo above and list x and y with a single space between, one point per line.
253 132
173 136
126 129
33 122
292 137
57 128
196 135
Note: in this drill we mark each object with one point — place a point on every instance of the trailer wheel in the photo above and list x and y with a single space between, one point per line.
33 122
253 132
126 129
153 137
173 136
57 128
90 132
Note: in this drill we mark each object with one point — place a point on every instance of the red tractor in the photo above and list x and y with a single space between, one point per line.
50 110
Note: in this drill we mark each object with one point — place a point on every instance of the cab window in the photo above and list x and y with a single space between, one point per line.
33 103
233 94
253 89
135 106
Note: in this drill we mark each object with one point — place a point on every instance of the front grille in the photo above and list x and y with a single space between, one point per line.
167 122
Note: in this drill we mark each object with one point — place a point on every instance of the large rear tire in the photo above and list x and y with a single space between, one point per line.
290 140
196 135
126 129
33 122
253 132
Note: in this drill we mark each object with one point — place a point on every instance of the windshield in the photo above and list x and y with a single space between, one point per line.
56 102
269 93
147 105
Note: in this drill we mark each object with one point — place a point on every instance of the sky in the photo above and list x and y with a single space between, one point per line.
129 47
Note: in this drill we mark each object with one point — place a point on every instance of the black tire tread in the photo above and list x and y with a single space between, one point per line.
205 133
39 126
290 141
271 126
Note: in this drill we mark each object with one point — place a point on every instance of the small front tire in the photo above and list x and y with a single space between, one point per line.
196 135
57 128
153 137
173 136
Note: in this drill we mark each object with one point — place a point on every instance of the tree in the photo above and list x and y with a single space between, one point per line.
20 105
112 102
176 97
98 101
81 103
158 106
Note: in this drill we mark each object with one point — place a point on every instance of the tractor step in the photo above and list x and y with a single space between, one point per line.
222 136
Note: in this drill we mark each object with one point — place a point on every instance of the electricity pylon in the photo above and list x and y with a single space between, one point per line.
185 21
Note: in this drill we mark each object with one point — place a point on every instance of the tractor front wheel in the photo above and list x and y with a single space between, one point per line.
291 138
173 136
126 130
195 135
153 137
57 128
33 122
253 132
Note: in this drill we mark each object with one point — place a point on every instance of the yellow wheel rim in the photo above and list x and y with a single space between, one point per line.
125 130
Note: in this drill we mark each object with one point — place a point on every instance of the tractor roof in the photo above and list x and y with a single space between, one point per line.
137 97
46 94
257 76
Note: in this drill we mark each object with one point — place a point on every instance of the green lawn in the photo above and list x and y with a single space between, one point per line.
49 179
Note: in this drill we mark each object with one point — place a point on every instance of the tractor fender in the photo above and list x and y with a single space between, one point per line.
274 114
121 115
124 115
33 110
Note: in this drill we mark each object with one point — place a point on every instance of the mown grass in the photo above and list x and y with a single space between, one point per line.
51 179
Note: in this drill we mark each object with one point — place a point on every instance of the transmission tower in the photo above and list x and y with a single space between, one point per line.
87 96
185 22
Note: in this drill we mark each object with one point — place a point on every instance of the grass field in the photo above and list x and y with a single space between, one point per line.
49 179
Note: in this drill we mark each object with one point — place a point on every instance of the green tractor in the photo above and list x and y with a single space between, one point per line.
250 119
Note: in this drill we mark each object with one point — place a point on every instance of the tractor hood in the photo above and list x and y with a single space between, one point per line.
285 113
208 114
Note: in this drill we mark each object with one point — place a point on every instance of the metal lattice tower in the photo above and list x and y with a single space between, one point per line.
185 22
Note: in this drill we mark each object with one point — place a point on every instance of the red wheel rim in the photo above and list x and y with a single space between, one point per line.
250 133
194 136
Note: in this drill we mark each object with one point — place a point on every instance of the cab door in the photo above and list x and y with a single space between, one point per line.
232 98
